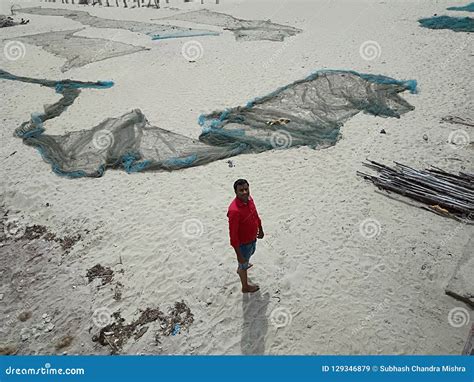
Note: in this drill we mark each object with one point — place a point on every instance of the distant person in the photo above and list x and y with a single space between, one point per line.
245 227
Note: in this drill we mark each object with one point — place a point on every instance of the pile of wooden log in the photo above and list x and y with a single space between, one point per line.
445 193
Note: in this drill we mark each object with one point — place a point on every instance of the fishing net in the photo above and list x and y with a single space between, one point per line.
308 112
69 90
155 31
246 30
78 51
456 24
466 8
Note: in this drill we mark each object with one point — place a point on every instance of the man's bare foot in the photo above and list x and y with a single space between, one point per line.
250 266
250 289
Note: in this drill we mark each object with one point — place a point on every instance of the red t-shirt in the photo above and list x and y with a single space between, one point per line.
243 222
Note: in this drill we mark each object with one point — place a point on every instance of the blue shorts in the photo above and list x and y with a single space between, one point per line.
247 250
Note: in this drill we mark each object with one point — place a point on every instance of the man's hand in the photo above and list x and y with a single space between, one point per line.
260 234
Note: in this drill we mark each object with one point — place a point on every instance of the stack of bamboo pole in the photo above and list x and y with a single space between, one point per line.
444 193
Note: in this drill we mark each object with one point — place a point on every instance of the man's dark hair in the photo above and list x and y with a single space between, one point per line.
240 182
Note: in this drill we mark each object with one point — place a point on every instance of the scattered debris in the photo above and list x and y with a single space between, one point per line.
24 316
383 131
67 242
176 330
118 291
149 315
36 231
13 153
116 334
180 315
8 350
140 333
458 120
230 163
28 254
98 271
64 342
425 137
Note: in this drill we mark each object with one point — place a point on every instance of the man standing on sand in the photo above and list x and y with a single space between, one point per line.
245 227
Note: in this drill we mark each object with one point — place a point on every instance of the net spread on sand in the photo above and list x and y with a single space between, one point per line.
456 24
465 8
150 29
246 30
78 51
309 112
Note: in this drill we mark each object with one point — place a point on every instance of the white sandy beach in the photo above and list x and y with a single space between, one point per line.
326 288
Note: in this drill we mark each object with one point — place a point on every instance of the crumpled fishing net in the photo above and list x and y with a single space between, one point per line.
308 112
78 51
246 30
456 24
155 31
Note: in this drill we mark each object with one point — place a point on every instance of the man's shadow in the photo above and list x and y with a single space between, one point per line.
255 324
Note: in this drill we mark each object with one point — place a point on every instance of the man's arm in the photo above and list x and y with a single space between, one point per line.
260 233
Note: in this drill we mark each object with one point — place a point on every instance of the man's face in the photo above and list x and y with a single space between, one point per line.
243 192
